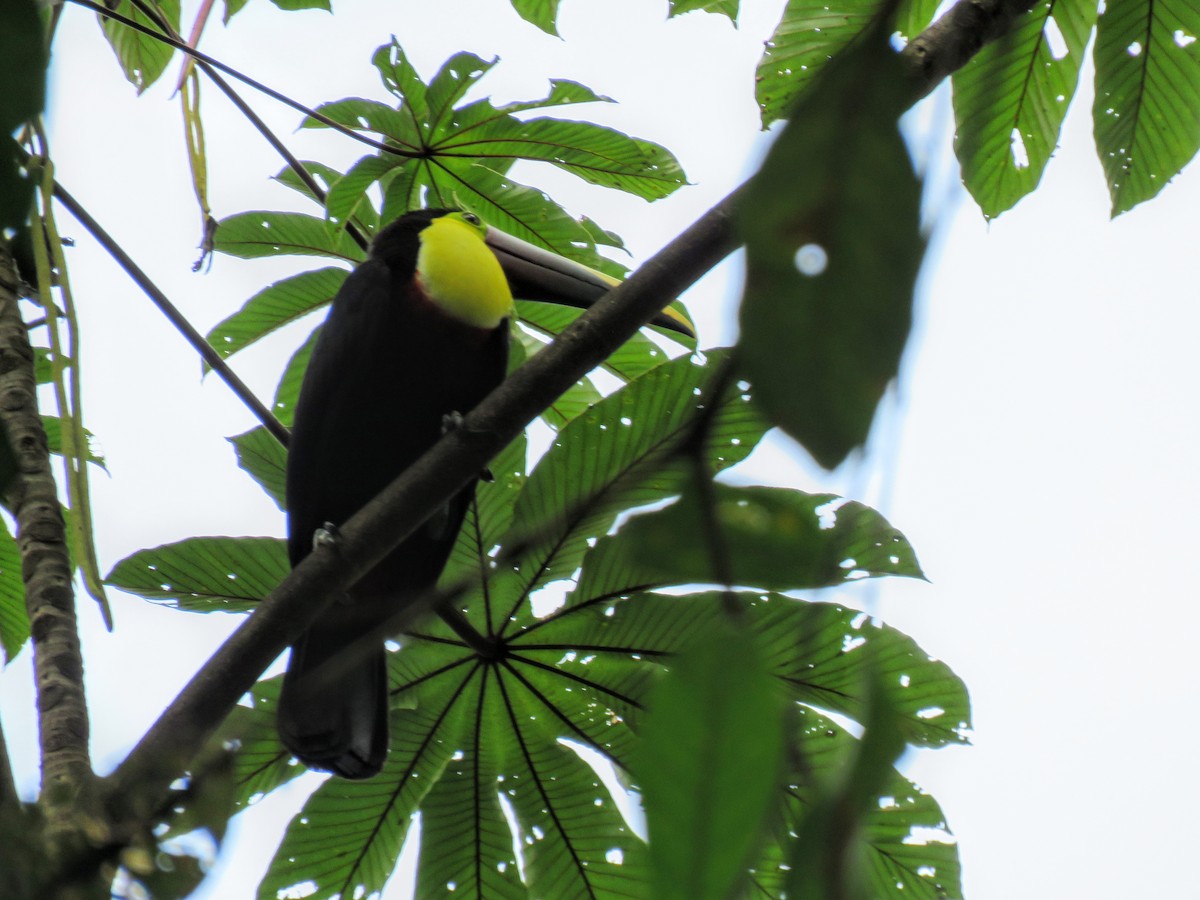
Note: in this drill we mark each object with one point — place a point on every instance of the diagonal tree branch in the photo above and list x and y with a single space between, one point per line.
136 788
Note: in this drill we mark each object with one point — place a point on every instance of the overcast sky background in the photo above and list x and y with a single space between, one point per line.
1038 452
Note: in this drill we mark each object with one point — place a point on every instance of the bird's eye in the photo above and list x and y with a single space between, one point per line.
471 219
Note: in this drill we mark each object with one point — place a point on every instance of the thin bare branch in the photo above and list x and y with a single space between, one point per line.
190 334
179 44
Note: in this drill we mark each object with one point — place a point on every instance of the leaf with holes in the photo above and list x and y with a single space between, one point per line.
542 13
829 281
273 307
903 847
143 59
205 574
251 235
1147 90
772 538
458 154
810 33
1010 100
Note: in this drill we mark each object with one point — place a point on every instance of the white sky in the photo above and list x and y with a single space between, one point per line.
1040 457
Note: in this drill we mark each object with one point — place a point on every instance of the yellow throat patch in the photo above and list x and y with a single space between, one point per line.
460 273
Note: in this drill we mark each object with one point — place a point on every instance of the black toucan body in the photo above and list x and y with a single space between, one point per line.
417 332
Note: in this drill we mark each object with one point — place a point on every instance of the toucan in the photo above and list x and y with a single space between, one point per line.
417 334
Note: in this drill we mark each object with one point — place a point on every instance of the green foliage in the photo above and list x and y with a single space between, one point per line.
811 33
542 13
900 843
1147 94
829 283
14 621
263 459
23 76
458 153
603 653
773 538
253 235
1010 101
275 306
143 59
710 766
466 726
204 574
728 8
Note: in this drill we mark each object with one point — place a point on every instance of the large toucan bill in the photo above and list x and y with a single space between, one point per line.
418 332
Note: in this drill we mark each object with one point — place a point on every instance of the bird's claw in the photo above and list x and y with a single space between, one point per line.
326 536
452 421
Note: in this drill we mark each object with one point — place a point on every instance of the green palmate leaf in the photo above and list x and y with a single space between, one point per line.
623 453
260 763
1147 92
324 176
710 766
902 846
774 538
596 154
491 748
577 843
521 211
1010 100
455 154
142 58
727 8
568 405
829 282
251 235
823 858
371 115
810 33
264 459
348 196
819 652
205 574
345 840
634 358
456 76
489 514
287 392
273 307
478 860
14 621
542 13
